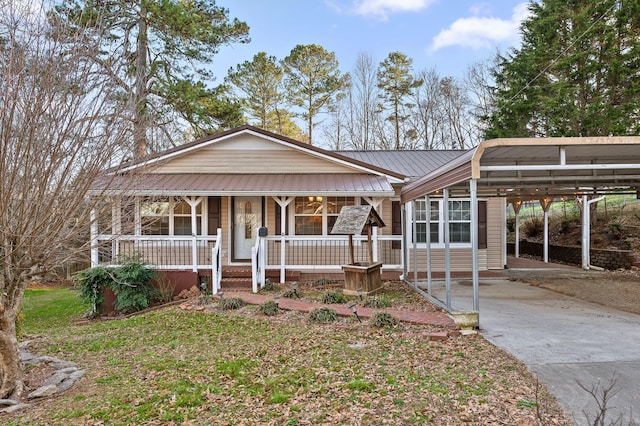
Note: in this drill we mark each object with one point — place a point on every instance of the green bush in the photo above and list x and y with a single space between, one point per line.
231 303
323 315
333 297
383 319
377 302
269 308
291 294
130 281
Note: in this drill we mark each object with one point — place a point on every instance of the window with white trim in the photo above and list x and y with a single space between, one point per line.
168 216
459 221
315 215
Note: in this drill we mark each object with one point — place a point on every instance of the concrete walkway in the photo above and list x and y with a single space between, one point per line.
566 342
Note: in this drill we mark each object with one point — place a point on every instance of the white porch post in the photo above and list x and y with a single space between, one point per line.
374 242
474 243
516 208
586 229
95 257
546 203
447 246
116 226
283 202
193 203
427 201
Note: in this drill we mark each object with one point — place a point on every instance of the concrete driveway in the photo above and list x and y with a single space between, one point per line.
564 341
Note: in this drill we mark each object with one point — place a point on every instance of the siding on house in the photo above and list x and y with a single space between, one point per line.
249 154
495 232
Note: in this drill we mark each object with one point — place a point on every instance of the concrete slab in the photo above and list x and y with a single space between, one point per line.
565 341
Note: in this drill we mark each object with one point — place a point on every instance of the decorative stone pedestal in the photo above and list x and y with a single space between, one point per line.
467 321
362 276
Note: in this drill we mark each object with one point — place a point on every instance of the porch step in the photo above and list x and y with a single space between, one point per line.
227 283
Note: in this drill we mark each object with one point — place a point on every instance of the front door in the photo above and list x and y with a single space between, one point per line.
247 218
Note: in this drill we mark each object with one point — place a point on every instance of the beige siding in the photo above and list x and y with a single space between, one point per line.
495 233
250 156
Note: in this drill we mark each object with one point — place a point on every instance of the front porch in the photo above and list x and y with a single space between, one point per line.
279 258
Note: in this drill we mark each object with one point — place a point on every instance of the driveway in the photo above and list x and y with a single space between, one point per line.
564 341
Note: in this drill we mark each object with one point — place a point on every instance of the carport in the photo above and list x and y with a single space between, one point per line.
523 169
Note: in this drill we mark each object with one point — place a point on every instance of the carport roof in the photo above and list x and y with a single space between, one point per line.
529 168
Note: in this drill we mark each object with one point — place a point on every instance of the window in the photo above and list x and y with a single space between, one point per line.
459 221
421 221
168 217
182 218
317 215
154 216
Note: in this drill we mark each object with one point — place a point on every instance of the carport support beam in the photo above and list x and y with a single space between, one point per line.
586 229
447 247
427 204
474 243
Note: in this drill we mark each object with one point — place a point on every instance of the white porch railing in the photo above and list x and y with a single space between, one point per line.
258 261
160 251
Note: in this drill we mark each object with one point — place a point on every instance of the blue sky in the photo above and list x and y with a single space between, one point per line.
447 35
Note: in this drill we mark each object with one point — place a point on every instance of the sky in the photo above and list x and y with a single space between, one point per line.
447 35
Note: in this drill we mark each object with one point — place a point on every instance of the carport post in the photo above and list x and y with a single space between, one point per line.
427 203
415 244
474 242
447 254
586 229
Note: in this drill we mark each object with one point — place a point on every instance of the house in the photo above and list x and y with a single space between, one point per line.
253 200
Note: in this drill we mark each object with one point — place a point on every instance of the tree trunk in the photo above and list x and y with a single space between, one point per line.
11 385
140 118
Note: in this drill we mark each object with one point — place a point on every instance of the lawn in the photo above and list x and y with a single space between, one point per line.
171 366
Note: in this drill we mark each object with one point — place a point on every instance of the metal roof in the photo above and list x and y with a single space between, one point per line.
526 168
411 163
348 184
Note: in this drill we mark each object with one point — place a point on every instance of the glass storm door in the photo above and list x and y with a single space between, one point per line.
247 218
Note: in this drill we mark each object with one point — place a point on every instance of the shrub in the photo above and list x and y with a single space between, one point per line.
269 308
165 286
130 282
231 303
377 302
533 227
323 315
383 319
132 286
333 297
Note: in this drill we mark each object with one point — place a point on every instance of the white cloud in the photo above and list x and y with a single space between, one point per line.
479 32
383 8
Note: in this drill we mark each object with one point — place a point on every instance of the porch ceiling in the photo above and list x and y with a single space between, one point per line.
538 168
348 184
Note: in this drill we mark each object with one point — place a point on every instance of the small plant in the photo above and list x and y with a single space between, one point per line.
377 302
269 286
231 303
269 308
291 294
165 287
333 297
323 315
383 319
616 230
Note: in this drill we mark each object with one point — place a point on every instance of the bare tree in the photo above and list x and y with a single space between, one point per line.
55 138
479 84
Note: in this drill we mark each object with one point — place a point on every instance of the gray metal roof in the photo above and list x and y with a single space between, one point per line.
523 168
411 163
348 184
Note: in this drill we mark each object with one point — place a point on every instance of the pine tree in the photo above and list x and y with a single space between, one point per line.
154 54
576 73
313 81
